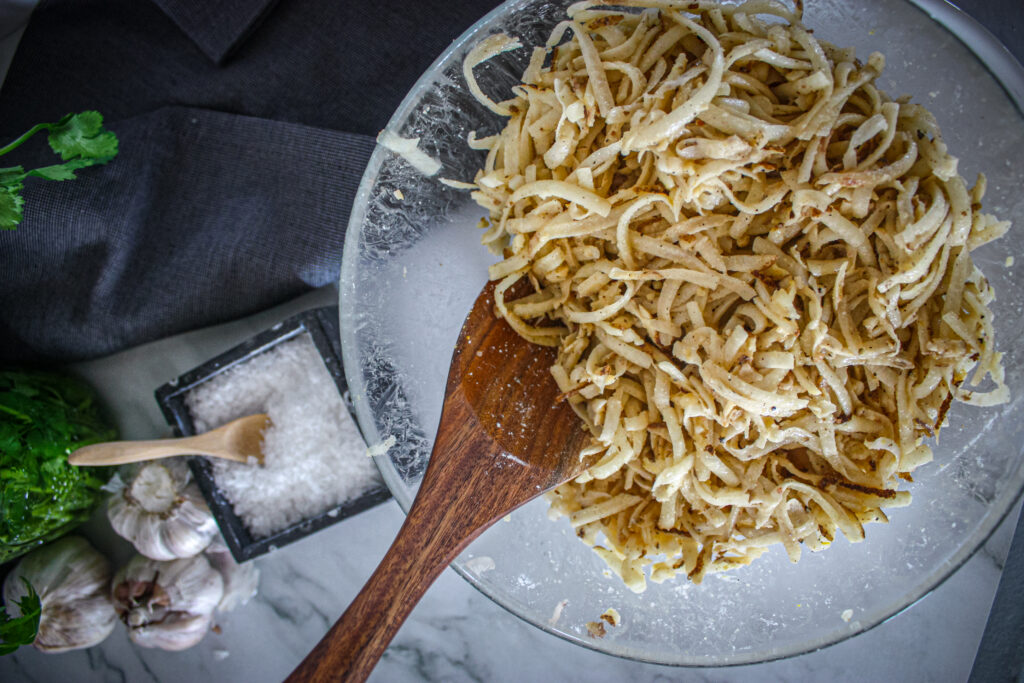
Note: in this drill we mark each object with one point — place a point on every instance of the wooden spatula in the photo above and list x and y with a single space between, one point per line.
504 439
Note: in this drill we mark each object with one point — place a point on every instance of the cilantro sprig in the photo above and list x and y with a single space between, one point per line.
79 139
44 416
18 631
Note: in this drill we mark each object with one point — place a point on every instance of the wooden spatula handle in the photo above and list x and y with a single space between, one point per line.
352 647
443 520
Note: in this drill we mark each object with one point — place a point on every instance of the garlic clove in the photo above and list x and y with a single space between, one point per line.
168 605
178 631
162 513
193 585
72 580
241 581
155 488
72 627
189 531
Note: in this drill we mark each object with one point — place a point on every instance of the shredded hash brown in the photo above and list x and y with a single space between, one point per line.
755 266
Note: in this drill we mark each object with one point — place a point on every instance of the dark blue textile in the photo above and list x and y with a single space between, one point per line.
233 186
205 216
217 28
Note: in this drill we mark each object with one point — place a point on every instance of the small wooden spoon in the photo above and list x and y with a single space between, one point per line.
238 440
504 439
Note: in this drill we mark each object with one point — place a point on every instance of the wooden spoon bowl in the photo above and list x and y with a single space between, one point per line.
504 439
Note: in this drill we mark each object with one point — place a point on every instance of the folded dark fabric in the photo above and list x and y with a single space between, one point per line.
204 217
218 28
324 63
211 212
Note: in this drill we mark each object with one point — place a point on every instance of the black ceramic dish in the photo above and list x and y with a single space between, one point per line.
322 325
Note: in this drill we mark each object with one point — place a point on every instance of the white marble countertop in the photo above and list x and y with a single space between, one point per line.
456 633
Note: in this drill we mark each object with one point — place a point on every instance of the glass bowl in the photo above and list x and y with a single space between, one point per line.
413 266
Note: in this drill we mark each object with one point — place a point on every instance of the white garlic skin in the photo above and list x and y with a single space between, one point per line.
179 631
241 581
72 580
167 604
162 513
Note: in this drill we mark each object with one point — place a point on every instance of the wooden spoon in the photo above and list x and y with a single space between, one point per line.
238 440
504 439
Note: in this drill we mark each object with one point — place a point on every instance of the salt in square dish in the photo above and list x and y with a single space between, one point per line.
321 324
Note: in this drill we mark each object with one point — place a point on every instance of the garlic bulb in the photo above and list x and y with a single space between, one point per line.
72 580
162 513
168 605
240 580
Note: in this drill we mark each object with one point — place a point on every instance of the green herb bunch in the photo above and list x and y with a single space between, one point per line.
44 417
79 139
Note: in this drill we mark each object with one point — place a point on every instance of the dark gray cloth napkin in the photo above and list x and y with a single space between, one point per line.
205 216
217 28
334 65
232 189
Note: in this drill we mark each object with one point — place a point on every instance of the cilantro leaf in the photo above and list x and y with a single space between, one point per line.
11 205
18 631
79 139
82 135
13 175
11 202
65 171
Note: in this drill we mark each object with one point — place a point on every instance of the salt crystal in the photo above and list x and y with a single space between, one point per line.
313 452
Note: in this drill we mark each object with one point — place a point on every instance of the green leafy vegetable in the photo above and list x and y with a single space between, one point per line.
18 631
79 139
43 417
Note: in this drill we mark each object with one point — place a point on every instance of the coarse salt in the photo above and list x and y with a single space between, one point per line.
313 453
